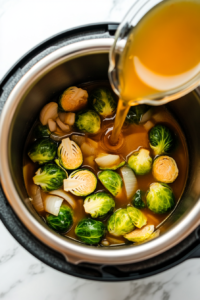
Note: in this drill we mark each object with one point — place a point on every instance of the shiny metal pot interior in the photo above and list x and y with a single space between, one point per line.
77 63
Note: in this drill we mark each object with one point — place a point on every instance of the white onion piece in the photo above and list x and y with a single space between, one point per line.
130 181
52 204
62 126
108 160
87 149
148 125
70 118
52 125
49 111
66 196
78 139
147 116
37 201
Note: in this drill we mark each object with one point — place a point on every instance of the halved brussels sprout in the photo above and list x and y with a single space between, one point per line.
90 231
120 222
103 101
88 121
140 162
41 131
73 99
136 113
109 161
165 169
50 177
70 155
112 181
63 221
42 151
81 182
137 217
160 198
137 200
162 140
140 235
153 236
99 204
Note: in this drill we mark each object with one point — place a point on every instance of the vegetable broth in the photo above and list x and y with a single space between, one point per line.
134 137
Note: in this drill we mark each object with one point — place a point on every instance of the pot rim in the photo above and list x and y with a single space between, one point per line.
74 251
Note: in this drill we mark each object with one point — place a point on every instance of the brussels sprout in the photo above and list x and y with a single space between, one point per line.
162 139
136 113
42 151
88 121
120 222
140 235
41 131
165 169
137 200
140 162
81 183
160 198
103 101
63 221
99 204
70 155
112 181
153 236
90 231
73 99
137 217
50 177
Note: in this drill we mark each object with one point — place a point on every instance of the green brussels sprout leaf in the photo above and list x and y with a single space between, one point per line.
103 101
160 198
42 151
140 235
140 162
63 221
136 113
50 177
99 205
88 121
162 139
112 181
90 231
41 131
120 222
137 217
137 200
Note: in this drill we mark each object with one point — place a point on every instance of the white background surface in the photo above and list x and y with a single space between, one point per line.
23 24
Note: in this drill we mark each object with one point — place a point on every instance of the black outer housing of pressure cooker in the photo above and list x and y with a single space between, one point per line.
187 249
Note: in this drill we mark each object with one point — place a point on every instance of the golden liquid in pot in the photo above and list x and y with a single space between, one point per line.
135 136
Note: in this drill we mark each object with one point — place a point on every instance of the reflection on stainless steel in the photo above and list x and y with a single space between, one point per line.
72 64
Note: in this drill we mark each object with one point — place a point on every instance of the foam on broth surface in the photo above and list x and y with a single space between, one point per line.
135 136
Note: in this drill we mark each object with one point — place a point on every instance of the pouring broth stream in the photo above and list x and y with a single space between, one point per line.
162 53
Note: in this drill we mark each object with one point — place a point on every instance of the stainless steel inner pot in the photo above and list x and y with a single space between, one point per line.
77 63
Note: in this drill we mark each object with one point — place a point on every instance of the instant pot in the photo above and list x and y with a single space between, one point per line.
69 58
